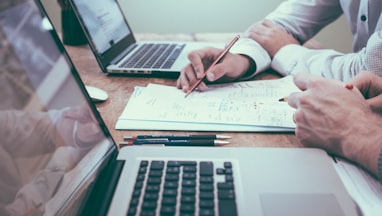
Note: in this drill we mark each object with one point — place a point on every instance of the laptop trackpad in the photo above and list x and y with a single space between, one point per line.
300 204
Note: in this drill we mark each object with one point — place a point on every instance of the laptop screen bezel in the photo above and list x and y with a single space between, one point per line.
110 55
110 155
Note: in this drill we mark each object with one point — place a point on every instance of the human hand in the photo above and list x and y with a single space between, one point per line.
370 86
334 118
272 37
230 68
78 127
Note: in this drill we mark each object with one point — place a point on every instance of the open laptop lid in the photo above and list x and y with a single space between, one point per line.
106 29
53 139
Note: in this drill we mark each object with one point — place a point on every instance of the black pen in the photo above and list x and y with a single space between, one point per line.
176 142
178 137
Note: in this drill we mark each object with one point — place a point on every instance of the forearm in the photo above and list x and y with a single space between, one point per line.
330 63
304 19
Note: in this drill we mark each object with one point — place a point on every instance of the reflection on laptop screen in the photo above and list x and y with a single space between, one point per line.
104 21
50 140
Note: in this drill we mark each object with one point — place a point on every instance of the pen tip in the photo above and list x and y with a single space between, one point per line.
221 142
187 94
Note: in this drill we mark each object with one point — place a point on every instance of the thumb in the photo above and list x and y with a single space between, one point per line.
293 98
216 72
301 80
375 103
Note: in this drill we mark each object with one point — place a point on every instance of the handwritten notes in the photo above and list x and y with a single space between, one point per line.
241 106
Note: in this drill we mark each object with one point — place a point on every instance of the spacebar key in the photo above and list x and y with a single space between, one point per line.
227 207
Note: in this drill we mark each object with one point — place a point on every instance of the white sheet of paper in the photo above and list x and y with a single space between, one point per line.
242 104
364 189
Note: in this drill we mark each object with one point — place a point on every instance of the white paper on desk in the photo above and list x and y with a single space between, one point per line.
365 190
237 106
130 124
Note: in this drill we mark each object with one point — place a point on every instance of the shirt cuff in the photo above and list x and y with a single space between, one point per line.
286 59
250 48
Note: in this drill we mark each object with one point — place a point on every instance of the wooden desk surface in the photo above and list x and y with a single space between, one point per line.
120 88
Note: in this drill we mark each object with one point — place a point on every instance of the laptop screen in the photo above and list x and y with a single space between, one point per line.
52 140
108 33
104 22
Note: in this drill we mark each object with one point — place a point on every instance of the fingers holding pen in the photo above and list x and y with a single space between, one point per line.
193 71
200 61
187 77
370 88
368 83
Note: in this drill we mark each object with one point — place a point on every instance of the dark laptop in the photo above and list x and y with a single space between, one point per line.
58 158
116 50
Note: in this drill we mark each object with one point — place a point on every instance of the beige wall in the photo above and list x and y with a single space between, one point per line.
189 16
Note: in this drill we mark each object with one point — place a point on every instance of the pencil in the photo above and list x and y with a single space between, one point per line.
217 60
284 99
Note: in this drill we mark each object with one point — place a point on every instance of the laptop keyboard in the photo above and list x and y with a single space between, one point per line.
183 188
157 56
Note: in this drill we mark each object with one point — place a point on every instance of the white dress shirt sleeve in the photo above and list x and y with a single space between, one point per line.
253 50
329 63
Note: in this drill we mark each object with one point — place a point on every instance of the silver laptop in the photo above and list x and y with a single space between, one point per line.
58 157
116 49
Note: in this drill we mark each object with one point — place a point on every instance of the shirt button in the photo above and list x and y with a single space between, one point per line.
363 18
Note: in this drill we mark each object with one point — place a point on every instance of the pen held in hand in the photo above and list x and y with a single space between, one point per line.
217 60
176 142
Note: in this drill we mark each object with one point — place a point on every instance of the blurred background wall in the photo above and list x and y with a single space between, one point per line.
190 16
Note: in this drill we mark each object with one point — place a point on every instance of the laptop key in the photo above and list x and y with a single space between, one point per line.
227 208
157 165
206 212
205 204
169 200
187 208
206 195
170 184
167 210
188 163
170 193
147 213
206 187
226 194
187 199
224 185
206 168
